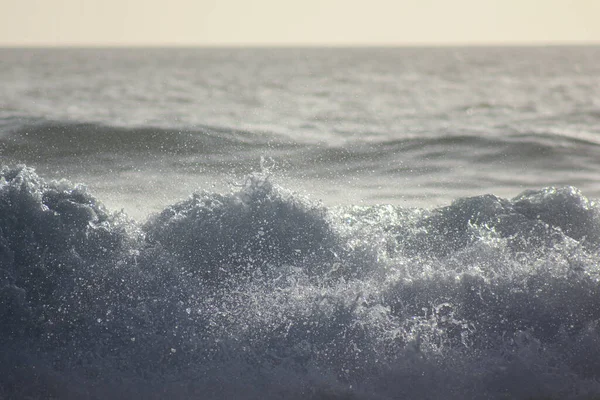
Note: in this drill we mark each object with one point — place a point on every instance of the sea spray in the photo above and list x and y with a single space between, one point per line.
262 293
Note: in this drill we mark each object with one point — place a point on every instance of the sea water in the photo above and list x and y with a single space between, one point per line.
300 223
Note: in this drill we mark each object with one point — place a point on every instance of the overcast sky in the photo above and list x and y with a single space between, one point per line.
297 22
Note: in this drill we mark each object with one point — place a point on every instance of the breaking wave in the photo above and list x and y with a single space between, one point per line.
264 294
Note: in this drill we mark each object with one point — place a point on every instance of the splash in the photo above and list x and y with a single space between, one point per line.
262 293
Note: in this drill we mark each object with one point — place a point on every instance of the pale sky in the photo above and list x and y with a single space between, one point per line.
297 22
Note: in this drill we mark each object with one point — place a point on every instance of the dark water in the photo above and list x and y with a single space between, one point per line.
250 288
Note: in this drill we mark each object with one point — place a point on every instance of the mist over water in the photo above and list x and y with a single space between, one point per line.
321 224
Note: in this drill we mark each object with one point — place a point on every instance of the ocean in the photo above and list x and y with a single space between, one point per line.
300 223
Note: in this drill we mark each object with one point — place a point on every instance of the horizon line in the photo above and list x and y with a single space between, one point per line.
563 43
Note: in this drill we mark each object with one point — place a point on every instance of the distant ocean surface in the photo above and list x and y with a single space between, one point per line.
375 223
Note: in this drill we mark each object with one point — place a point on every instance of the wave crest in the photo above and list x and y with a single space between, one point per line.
260 226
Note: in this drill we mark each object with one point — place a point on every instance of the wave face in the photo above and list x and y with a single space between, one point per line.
119 163
263 294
